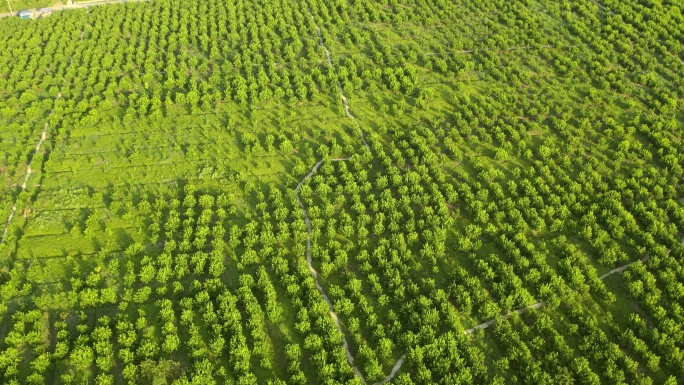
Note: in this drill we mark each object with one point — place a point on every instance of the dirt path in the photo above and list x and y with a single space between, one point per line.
624 267
394 371
9 219
339 85
314 273
539 304
603 8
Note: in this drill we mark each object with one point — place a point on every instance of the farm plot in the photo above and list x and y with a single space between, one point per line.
343 191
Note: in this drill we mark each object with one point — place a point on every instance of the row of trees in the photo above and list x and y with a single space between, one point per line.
467 208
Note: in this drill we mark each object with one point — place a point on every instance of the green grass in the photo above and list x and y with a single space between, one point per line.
109 177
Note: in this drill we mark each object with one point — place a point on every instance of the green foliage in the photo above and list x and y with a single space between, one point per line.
198 152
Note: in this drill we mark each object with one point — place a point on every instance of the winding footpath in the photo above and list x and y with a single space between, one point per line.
603 8
339 85
489 323
539 304
625 267
314 273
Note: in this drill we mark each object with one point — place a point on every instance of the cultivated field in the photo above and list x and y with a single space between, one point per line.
343 191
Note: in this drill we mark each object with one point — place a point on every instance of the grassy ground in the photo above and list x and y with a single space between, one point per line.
95 190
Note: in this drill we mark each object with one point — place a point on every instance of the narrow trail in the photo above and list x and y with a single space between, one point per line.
539 304
603 8
624 267
339 85
314 273
29 170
